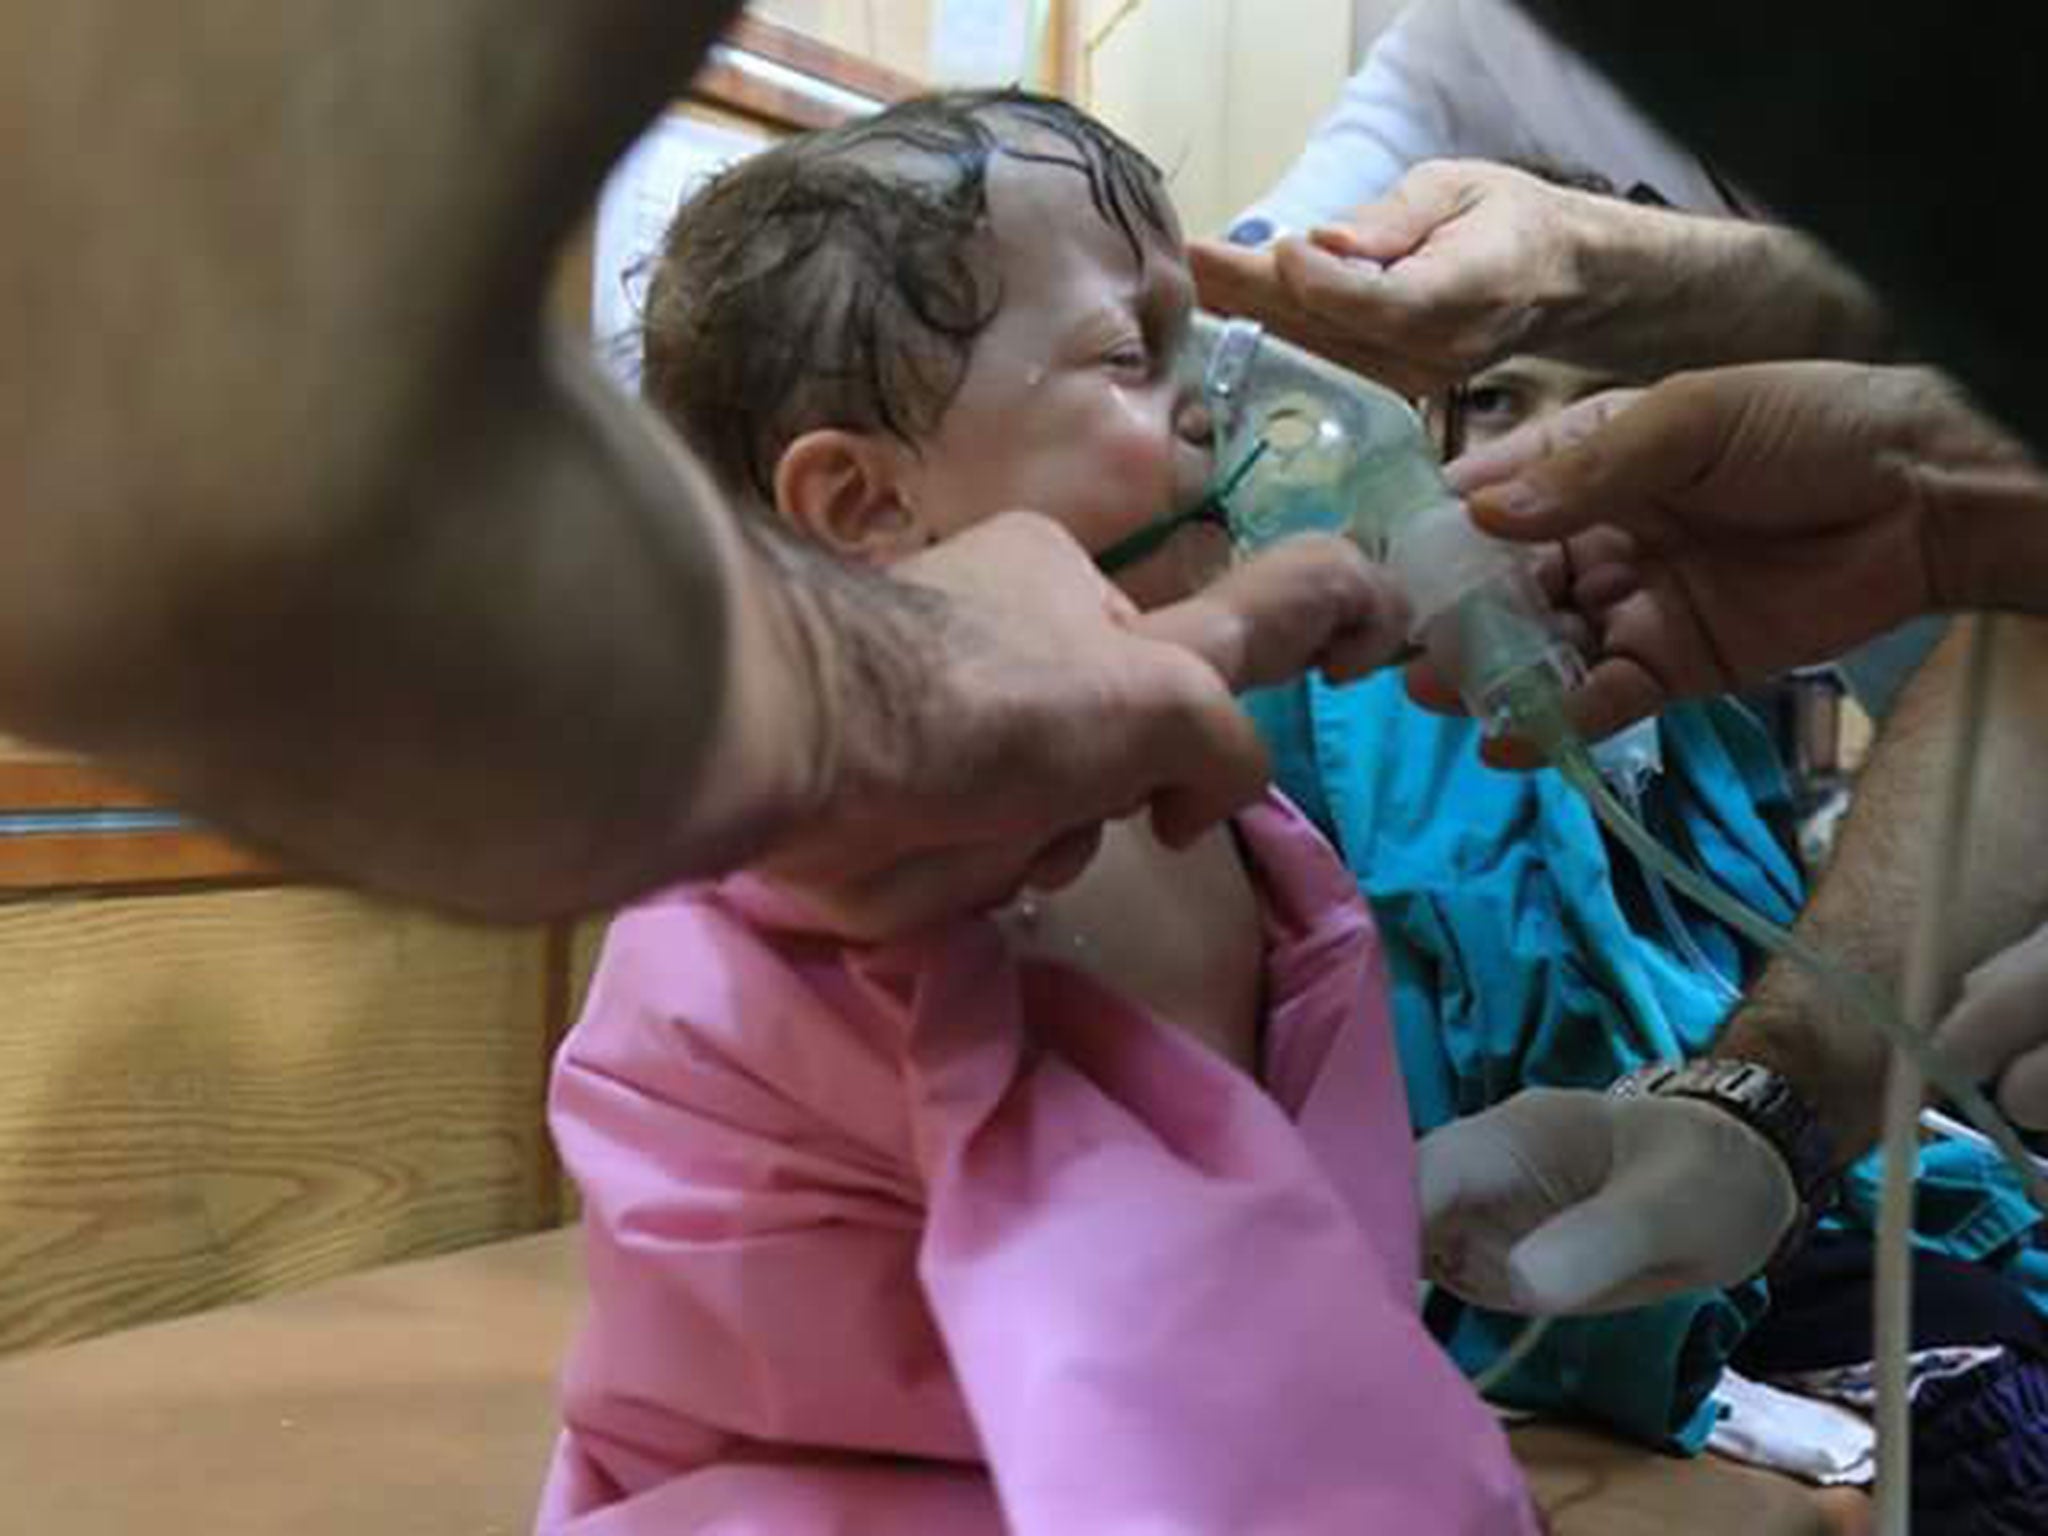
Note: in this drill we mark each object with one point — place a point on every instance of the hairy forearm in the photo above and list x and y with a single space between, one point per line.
236 300
508 693
1665 291
1864 908
560 670
300 520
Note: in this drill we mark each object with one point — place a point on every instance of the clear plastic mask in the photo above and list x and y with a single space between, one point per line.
1303 446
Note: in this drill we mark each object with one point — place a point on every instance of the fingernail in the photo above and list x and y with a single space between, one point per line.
1335 240
1516 499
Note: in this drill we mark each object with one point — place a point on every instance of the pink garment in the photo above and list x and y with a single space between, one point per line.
925 1238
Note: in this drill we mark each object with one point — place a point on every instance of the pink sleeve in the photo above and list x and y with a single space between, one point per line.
1166 1319
752 1225
844 1207
803 1496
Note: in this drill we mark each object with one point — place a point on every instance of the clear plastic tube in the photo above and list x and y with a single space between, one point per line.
1926 964
1534 708
1532 705
1519 1348
1673 922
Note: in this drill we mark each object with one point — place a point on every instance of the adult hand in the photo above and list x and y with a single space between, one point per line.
1044 705
1309 601
1462 264
1999 1030
1564 1201
1466 262
1723 526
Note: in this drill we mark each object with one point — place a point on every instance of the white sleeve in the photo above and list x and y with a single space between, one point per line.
1424 93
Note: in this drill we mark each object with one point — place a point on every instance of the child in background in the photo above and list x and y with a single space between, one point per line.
1092 1215
1529 949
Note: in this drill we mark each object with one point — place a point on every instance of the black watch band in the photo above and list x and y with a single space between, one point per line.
1768 1105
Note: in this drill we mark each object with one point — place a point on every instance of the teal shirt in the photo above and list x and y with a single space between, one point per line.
1967 1205
1524 952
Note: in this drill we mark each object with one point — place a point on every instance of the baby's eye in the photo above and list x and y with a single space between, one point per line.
1129 357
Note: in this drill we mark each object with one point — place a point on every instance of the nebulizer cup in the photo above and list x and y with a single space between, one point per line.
1305 446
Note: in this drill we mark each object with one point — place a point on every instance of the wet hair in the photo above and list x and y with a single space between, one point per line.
842 279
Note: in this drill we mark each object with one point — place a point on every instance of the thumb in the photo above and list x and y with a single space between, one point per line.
2003 1010
1595 1256
1698 1201
1467 1166
1310 600
1607 460
1394 226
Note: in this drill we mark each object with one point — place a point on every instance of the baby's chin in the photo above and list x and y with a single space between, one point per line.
1194 557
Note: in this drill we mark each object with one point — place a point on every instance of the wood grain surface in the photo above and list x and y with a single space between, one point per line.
212 1096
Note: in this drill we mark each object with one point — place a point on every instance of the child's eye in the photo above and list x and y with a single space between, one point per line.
1494 404
1129 357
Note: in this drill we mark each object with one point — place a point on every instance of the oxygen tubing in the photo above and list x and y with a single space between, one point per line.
1531 703
1534 707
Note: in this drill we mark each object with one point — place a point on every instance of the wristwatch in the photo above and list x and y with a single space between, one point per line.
1768 1105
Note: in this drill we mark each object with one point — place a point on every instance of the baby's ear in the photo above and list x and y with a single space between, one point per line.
846 491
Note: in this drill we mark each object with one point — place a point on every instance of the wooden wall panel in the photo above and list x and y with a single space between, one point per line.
66 823
207 1097
586 939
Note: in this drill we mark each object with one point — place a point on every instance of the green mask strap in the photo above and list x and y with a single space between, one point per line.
1152 536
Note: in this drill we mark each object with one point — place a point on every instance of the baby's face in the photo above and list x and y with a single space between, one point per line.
1070 405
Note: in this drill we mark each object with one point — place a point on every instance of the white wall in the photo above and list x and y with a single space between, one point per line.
1220 92
1288 61
1369 18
